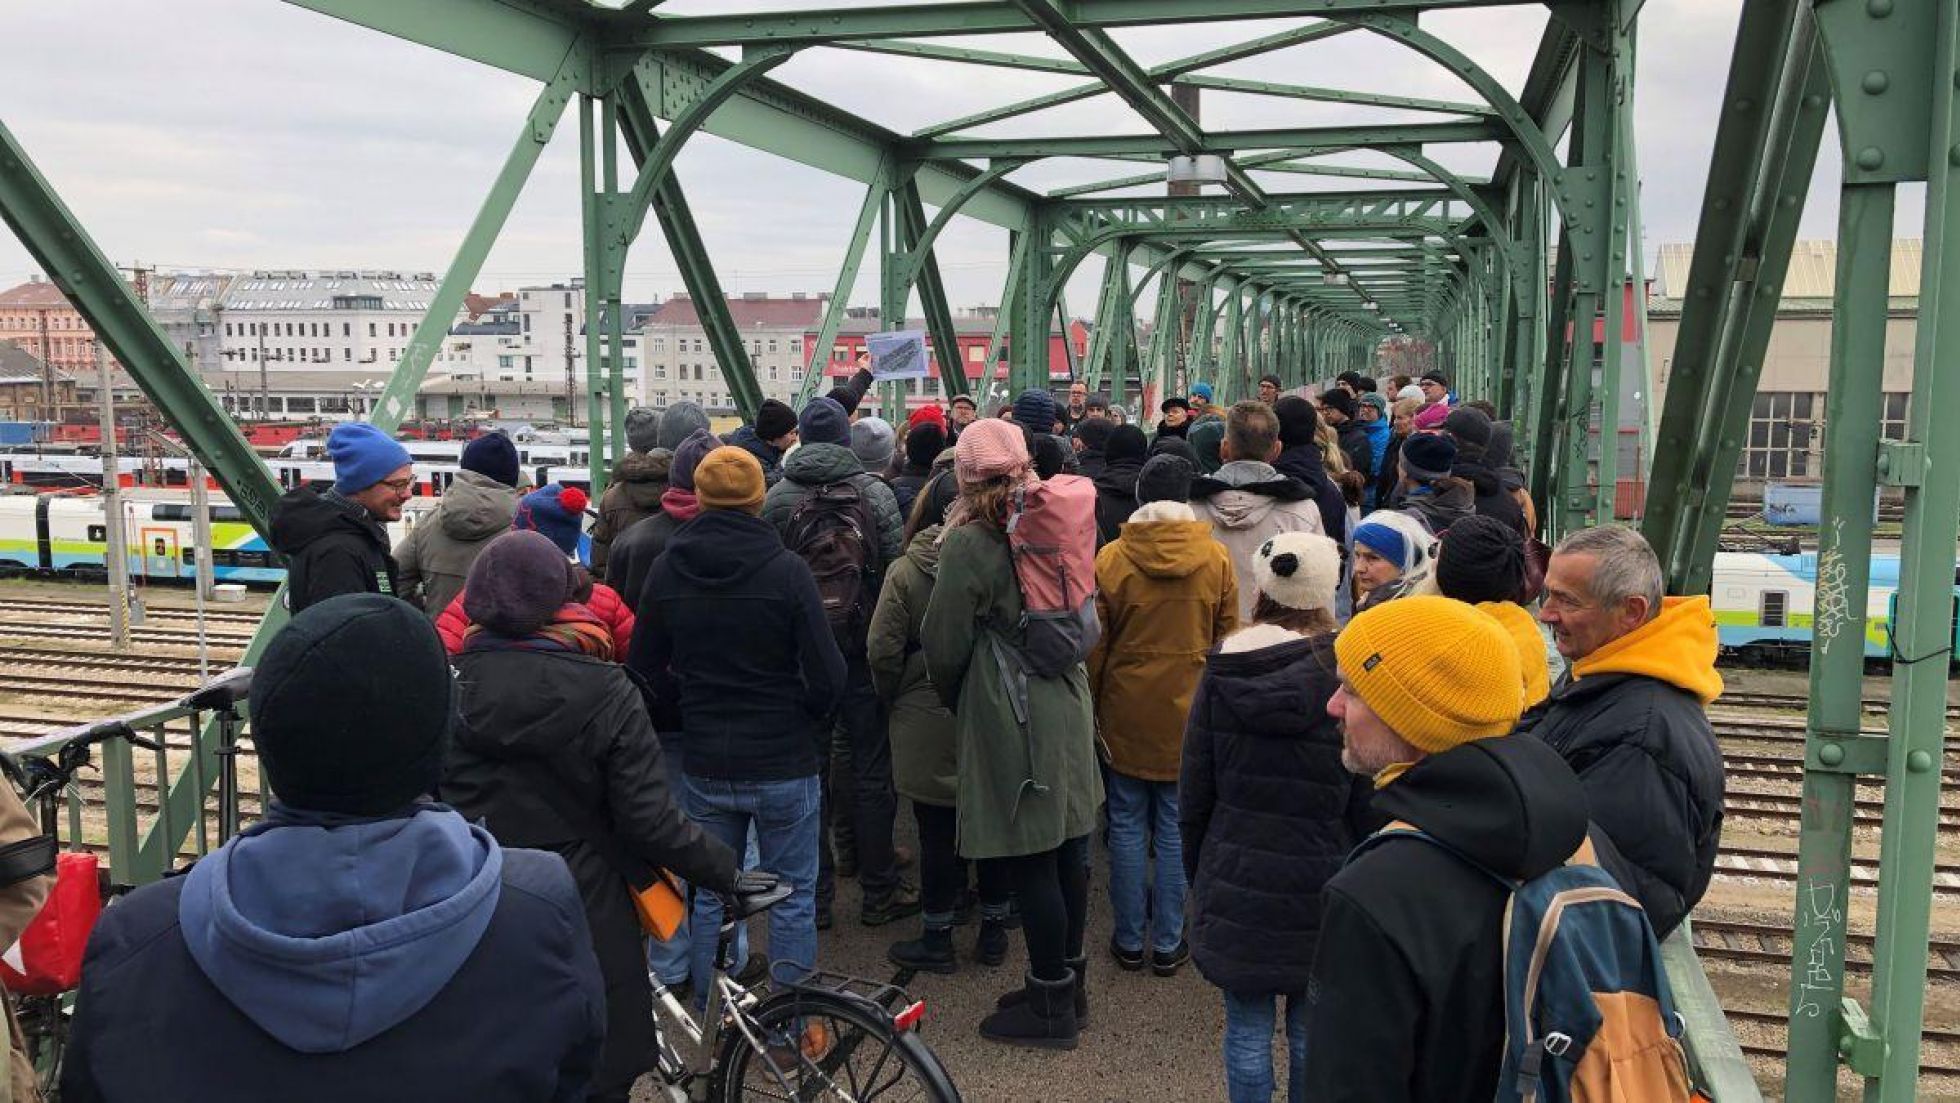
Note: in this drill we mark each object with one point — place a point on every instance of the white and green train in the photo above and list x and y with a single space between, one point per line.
1766 604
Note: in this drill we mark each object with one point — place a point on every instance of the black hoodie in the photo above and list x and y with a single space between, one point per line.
331 546
1408 983
1493 500
1116 496
731 626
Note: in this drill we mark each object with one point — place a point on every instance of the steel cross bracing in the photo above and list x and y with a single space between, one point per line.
1310 255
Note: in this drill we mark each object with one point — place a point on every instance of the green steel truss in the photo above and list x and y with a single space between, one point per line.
1306 257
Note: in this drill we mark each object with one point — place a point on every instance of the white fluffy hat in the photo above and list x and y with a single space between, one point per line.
1300 570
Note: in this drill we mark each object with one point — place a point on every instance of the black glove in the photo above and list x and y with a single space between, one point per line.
753 882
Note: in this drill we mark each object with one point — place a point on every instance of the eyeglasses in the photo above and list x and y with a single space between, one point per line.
400 486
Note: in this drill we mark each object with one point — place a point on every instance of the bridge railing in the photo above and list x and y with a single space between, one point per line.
1714 1056
179 797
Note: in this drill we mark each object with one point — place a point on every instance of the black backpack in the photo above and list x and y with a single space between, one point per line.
834 530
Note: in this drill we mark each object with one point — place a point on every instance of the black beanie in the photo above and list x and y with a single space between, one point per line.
351 707
518 583
1298 421
1469 427
1165 478
1339 401
774 419
1175 446
492 456
1126 443
1094 433
1482 559
923 443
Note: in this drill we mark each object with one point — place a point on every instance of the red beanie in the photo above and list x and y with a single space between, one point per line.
929 413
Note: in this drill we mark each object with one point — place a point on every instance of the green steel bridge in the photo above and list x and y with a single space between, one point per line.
1499 272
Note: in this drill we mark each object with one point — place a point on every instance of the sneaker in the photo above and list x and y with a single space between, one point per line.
1130 960
931 952
903 900
1167 963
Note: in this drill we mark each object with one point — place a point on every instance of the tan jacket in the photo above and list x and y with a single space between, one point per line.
1166 593
18 906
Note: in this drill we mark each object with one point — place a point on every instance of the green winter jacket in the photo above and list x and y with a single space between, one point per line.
1022 788
814 465
436 556
922 739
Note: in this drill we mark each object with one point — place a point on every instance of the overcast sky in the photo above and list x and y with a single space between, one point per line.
234 134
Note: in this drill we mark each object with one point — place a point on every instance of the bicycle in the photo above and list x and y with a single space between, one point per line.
43 781
824 1037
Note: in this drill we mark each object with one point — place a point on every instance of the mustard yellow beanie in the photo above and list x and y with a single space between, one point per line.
1437 671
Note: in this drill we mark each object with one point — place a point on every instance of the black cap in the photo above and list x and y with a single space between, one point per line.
774 419
351 707
1273 379
1435 377
1178 401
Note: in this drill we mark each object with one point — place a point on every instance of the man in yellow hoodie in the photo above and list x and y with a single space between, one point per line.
1630 716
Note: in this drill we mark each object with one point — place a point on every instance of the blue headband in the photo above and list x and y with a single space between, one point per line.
1385 541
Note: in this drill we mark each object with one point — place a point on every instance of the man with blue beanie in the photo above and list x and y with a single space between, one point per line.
336 542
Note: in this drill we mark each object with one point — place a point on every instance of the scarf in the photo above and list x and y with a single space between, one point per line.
680 504
573 628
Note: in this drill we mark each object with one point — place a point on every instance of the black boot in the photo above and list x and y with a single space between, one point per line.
991 948
1044 1018
931 952
1079 965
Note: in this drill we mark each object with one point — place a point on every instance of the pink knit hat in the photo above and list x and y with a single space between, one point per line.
988 449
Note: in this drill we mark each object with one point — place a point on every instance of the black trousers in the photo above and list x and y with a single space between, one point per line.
943 874
1053 889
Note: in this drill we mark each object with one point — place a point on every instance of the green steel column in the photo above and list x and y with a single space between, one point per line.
1837 664
1927 466
1031 305
1017 255
1162 358
591 203
1127 352
1203 358
1231 348
1550 390
614 266
840 295
1103 338
918 267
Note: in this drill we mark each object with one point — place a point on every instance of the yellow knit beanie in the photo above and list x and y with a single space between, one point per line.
729 478
1435 670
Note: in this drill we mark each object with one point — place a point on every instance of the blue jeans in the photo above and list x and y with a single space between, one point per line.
783 815
1140 811
673 960
1249 1021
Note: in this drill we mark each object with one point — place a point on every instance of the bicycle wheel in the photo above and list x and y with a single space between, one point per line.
820 1046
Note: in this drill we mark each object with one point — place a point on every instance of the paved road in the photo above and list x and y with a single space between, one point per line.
1150 1038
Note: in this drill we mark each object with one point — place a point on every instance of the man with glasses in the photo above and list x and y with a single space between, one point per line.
336 542
1630 716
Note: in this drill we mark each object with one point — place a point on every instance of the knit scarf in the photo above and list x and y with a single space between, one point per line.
573 628
680 504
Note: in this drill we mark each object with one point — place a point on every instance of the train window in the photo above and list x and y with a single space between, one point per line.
98 534
1775 606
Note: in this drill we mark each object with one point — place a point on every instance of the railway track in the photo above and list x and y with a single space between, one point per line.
1763 943
13 629
10 606
1933 1066
89 659
1781 865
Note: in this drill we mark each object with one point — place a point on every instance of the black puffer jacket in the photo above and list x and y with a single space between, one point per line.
1265 808
1492 499
523 713
1303 462
1408 984
331 546
1116 497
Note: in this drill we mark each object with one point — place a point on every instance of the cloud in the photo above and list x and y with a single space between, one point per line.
242 133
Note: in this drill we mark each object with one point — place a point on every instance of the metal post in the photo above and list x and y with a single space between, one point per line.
201 564
593 220
115 545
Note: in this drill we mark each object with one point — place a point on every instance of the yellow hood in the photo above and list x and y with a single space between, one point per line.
1678 647
1522 627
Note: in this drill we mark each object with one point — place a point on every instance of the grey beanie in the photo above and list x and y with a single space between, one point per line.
642 428
679 422
873 441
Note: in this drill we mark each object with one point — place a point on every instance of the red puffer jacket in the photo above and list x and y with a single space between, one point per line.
604 602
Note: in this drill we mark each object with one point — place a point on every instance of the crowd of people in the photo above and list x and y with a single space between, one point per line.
1310 619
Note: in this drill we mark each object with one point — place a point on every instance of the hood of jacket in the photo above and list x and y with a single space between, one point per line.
923 551
1448 502
1168 549
1678 648
765 453
1482 479
1510 804
1273 683
644 467
1378 432
1119 476
476 507
1253 477
304 516
817 464
384 915
722 547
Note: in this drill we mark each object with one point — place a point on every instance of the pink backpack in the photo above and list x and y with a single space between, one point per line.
1051 531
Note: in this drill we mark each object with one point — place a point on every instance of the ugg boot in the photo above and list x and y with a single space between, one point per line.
1079 965
1044 1018
931 952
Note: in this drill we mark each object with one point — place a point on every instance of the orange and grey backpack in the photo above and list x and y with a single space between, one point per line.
1588 1016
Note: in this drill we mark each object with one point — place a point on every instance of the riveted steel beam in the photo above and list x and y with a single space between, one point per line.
1223 141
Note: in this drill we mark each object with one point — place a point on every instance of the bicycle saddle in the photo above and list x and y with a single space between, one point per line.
221 692
756 892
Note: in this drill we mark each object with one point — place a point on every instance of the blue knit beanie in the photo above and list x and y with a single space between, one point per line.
556 511
492 456
362 456
1034 410
1385 542
823 421
1203 390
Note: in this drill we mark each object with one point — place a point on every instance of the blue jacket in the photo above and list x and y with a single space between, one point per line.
331 958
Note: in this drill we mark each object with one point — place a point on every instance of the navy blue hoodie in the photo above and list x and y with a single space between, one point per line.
331 958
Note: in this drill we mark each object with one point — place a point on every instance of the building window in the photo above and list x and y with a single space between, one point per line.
1894 423
506 361
1785 429
660 372
347 329
371 332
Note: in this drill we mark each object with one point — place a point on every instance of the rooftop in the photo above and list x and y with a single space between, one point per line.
1813 270
17 365
297 290
794 312
33 293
